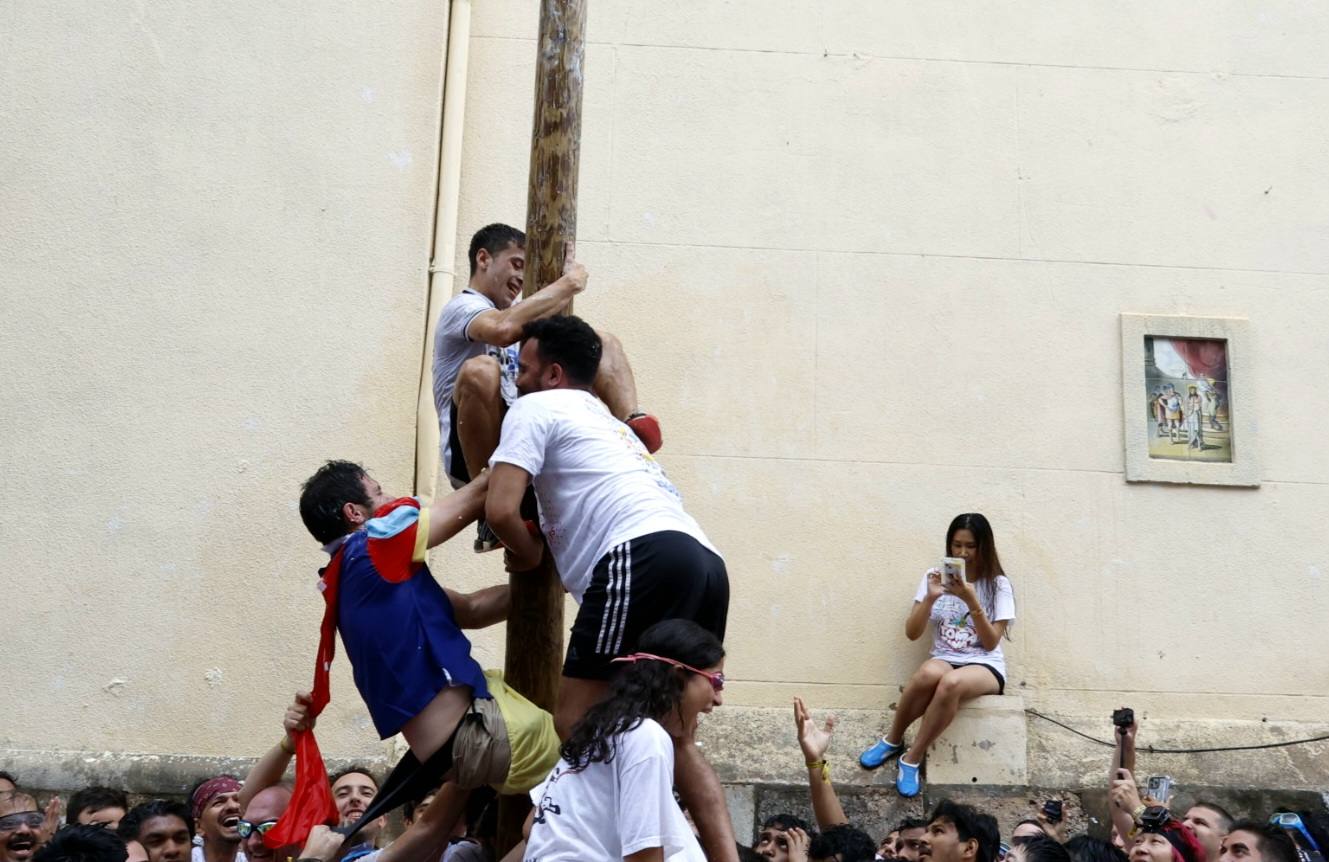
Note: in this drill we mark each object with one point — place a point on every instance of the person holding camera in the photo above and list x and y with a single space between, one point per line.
970 605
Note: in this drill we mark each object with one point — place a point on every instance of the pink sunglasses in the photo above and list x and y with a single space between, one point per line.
716 679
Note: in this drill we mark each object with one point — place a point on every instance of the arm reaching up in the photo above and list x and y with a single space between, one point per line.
815 742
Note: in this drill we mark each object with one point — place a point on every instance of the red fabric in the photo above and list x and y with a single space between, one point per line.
394 556
311 801
1203 358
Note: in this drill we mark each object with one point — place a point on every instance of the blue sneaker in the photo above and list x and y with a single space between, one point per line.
880 752
907 781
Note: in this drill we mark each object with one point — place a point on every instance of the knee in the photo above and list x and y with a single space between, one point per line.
479 378
949 687
611 349
926 677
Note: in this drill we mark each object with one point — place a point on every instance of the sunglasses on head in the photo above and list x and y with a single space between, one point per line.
1291 820
716 679
30 819
247 828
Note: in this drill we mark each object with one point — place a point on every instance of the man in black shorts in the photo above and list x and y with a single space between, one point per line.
625 548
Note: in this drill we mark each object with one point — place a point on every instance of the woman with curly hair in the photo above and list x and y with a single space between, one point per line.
611 794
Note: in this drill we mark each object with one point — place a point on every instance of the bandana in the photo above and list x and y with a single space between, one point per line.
1185 846
209 789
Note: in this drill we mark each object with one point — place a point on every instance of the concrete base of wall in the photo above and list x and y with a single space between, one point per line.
994 755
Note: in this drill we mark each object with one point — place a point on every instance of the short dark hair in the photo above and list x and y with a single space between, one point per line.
849 843
1222 812
787 822
1041 848
1275 845
911 823
493 238
95 799
569 341
140 814
83 844
413 802
354 769
970 823
9 776
1085 848
321 497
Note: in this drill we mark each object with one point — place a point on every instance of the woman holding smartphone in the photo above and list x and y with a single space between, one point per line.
969 616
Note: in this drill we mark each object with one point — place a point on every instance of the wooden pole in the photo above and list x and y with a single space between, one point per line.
535 624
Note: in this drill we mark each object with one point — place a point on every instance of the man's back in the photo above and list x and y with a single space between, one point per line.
596 484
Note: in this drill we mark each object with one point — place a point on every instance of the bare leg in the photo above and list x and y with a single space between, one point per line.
614 382
916 697
479 411
701 792
957 686
575 696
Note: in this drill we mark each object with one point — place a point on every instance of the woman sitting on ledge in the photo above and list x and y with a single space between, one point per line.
969 618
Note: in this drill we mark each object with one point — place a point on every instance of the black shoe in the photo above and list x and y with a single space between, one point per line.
485 540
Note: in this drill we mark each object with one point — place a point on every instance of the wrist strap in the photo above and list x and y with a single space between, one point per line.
823 766
285 744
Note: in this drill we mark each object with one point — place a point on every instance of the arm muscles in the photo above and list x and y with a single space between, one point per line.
481 608
507 485
501 328
449 515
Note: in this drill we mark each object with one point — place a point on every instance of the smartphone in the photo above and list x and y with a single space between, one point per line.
1052 810
952 570
1159 787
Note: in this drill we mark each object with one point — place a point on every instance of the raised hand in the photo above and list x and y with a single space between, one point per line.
814 741
297 714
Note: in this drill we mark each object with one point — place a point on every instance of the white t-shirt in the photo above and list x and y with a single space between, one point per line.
596 484
611 810
196 852
955 639
452 347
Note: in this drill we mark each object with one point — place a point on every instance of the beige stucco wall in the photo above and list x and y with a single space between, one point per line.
868 260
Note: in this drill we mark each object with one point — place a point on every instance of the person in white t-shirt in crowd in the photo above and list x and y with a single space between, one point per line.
611 794
969 617
625 548
475 356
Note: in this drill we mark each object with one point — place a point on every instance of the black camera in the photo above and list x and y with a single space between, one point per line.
1052 810
1124 717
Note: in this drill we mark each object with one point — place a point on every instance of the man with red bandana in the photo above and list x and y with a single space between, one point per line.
215 804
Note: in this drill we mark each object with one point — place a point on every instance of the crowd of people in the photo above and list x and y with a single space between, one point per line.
549 454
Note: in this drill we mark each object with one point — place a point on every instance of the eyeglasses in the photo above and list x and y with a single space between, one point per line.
30 819
247 828
716 679
1288 820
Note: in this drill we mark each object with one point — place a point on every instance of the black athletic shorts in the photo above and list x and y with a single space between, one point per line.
1001 680
659 576
457 471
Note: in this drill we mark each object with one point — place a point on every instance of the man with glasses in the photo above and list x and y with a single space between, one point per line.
261 814
20 826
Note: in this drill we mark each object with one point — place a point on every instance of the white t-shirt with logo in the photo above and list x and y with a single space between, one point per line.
596 484
955 639
452 347
611 810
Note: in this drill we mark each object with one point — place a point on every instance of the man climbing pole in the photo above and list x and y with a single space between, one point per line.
475 356
626 549
403 634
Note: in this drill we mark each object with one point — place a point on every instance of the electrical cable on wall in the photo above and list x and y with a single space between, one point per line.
1152 750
